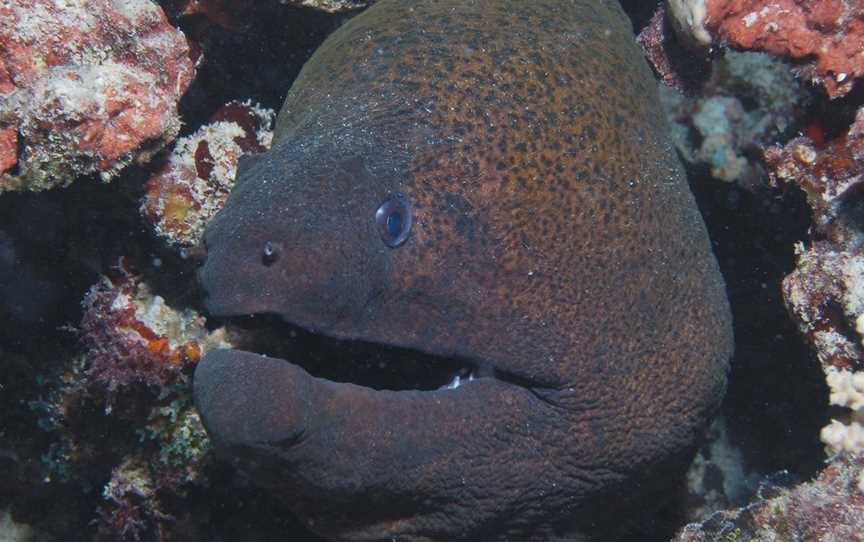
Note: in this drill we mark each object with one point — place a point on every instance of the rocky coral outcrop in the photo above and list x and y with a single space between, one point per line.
747 102
193 182
86 87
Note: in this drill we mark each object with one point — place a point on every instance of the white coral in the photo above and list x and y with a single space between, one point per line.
847 390
840 437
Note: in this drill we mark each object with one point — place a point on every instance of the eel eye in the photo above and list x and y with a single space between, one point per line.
269 254
394 220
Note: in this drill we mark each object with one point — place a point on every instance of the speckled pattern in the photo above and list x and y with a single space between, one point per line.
555 241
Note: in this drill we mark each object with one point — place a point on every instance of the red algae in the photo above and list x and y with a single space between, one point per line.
133 337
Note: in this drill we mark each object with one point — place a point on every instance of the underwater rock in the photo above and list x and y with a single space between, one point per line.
131 494
133 381
86 87
193 182
827 508
826 35
137 499
830 174
124 408
133 337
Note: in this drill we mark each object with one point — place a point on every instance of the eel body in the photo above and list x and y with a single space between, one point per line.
491 183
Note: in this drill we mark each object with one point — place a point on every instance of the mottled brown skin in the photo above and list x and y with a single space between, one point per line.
556 246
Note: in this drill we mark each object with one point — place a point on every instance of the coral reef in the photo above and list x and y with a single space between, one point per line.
827 173
826 36
133 337
847 390
825 293
85 87
828 508
679 68
193 182
136 371
717 479
100 437
234 15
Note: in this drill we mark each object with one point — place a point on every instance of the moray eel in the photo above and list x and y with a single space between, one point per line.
488 183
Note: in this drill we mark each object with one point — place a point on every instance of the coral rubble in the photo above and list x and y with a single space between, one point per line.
85 87
192 184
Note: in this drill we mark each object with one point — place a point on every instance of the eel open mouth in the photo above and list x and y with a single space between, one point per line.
286 385
375 366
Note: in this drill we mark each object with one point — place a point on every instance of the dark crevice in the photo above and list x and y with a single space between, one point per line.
777 400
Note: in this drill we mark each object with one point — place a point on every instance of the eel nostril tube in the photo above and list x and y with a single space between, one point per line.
196 254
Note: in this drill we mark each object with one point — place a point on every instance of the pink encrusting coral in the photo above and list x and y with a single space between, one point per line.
133 337
827 36
85 87
193 182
